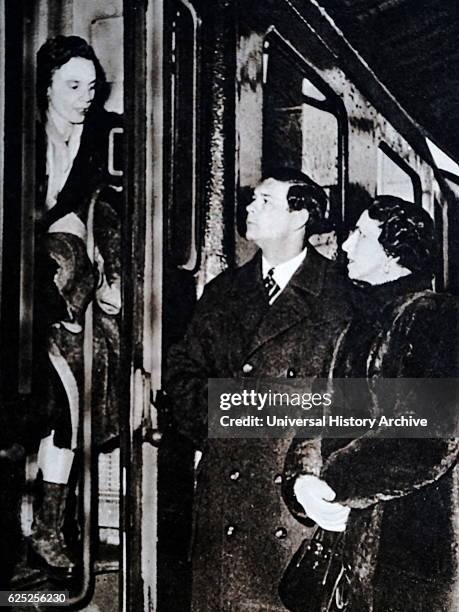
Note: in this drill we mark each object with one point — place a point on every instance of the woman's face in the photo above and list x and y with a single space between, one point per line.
367 259
72 89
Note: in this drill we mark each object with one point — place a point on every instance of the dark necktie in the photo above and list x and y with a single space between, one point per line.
271 287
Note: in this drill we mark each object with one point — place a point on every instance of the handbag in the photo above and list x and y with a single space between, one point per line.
317 579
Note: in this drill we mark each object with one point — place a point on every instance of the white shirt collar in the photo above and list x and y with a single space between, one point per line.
283 272
60 154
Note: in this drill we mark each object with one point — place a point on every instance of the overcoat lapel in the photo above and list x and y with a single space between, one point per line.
294 303
249 298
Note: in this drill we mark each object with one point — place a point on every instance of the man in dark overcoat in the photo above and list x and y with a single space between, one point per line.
277 316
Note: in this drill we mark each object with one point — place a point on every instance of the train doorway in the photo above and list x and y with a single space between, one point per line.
110 516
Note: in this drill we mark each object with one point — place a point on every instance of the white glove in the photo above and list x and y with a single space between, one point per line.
316 497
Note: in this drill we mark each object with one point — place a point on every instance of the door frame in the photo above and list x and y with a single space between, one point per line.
142 307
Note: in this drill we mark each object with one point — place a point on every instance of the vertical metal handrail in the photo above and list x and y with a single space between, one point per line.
192 262
2 135
86 430
132 582
26 273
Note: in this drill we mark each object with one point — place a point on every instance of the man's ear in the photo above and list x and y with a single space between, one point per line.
301 216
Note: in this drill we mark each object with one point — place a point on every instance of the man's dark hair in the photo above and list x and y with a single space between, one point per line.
56 52
407 232
303 193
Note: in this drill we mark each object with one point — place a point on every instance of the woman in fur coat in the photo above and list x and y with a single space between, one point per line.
394 499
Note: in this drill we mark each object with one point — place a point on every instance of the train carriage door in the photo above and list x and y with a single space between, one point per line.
163 254
181 261
142 295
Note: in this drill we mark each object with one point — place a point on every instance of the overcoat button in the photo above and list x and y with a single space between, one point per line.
230 530
281 533
247 368
278 479
291 373
234 475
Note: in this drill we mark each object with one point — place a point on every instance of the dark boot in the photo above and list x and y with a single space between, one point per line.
47 543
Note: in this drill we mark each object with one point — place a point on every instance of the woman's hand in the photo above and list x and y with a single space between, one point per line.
317 497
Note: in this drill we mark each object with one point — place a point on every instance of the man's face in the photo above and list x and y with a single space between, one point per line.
72 89
268 216
367 259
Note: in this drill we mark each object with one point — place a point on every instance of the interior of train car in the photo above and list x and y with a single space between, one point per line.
202 97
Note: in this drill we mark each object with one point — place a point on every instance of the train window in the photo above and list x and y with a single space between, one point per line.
320 143
396 177
182 98
304 123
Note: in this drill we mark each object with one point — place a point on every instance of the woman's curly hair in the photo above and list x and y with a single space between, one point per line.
56 52
407 232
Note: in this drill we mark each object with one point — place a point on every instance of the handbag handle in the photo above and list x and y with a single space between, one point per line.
337 596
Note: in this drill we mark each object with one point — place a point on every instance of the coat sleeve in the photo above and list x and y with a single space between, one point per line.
190 364
422 343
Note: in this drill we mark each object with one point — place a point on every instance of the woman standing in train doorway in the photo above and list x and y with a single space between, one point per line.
77 261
